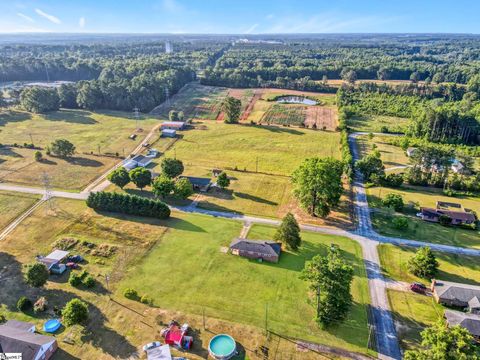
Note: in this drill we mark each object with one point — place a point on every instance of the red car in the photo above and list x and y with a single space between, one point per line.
418 288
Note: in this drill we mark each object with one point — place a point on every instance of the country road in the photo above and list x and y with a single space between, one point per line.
383 324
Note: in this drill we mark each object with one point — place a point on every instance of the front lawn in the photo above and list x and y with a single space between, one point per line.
187 271
452 267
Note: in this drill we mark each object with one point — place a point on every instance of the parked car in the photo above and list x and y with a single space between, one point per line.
58 269
151 345
75 259
72 265
418 288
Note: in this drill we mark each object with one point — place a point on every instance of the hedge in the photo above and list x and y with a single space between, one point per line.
128 204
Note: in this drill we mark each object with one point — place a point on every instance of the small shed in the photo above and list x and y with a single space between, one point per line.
171 133
198 183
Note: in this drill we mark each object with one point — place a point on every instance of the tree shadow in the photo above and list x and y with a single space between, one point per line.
71 116
13 116
81 161
277 129
47 162
254 198
8 151
61 354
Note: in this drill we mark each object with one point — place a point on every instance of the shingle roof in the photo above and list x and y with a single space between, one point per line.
456 291
20 325
471 322
13 340
474 303
457 215
269 248
197 180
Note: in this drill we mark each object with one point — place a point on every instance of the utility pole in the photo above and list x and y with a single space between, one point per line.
31 139
266 319
48 196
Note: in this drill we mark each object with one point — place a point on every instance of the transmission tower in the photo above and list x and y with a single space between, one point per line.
136 114
48 195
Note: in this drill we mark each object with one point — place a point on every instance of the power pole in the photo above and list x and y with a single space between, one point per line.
48 196
31 138
266 319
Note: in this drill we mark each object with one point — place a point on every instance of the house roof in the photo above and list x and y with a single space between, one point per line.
20 325
265 247
141 159
469 321
198 181
456 291
13 340
159 353
456 215
169 131
57 255
177 124
474 303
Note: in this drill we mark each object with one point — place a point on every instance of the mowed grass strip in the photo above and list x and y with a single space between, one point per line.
187 271
412 313
277 150
13 205
91 133
452 267
375 123
392 156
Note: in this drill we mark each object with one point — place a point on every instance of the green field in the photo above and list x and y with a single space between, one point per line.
196 101
456 268
14 204
392 156
187 271
374 123
419 229
412 313
91 133
283 114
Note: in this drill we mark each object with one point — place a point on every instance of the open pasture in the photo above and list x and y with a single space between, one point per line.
94 135
196 101
13 205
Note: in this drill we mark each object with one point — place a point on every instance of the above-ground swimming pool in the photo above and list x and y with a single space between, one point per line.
51 326
222 347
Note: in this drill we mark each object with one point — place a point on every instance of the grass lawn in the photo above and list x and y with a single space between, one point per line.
374 123
419 229
412 313
392 156
187 271
456 268
91 133
14 204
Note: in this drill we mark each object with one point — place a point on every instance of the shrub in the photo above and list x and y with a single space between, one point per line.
89 281
40 305
131 294
3 319
423 264
74 279
128 204
23 303
393 180
38 156
146 300
37 275
394 201
445 220
400 222
75 312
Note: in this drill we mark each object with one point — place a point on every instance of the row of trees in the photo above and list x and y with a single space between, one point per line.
128 204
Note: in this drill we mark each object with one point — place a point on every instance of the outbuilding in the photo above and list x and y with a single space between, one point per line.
171 133
173 125
198 183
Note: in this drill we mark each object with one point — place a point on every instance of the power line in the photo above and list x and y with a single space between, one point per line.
48 195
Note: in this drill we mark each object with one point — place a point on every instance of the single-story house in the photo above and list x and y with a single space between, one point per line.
410 151
458 217
471 322
138 161
17 337
457 295
53 261
256 249
199 184
173 125
457 167
171 133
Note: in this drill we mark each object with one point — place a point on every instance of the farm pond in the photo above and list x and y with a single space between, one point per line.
296 100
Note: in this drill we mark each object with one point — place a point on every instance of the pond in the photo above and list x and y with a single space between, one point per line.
296 100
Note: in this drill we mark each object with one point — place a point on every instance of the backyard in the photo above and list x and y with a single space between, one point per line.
104 133
251 286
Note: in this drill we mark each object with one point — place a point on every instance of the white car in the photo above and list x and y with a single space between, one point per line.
151 345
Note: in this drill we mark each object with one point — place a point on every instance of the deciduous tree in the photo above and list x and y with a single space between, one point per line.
232 108
75 312
62 148
163 186
424 263
223 181
289 232
141 177
119 177
183 188
172 167
36 275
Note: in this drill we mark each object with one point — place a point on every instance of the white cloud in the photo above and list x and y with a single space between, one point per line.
26 17
49 17
81 22
251 29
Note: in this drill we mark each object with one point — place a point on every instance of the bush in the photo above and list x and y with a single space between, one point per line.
38 156
131 294
75 312
400 223
89 281
37 275
23 304
394 201
423 264
146 300
128 204
40 305
445 220
3 319
74 279
393 180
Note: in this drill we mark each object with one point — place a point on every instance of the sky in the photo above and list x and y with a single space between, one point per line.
240 16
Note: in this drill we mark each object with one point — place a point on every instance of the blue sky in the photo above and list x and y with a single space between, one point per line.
239 17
